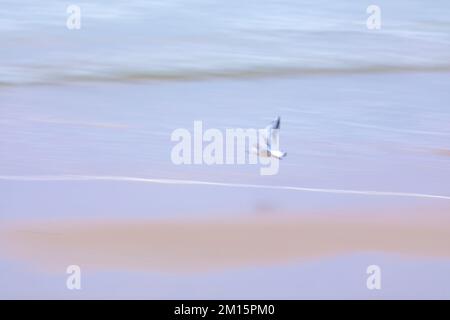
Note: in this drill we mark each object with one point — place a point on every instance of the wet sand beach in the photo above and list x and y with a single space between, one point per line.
87 178
202 244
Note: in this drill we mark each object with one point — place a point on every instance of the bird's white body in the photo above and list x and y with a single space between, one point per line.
277 154
269 147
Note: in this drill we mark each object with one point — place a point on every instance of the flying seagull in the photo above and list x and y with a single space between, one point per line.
269 147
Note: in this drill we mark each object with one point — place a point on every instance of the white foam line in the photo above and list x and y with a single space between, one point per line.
217 184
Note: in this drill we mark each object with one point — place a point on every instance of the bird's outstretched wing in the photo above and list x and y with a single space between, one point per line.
272 131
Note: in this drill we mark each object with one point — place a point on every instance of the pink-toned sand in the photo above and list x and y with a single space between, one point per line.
208 244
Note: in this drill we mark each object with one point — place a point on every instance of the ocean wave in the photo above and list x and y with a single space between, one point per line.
150 41
200 75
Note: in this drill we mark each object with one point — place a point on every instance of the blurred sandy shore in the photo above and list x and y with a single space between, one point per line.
210 244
